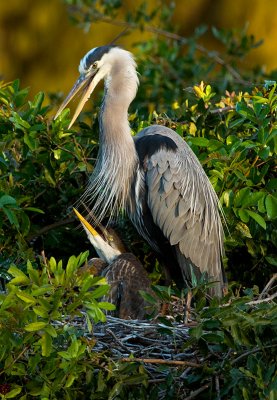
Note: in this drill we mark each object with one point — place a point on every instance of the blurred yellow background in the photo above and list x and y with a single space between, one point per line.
40 46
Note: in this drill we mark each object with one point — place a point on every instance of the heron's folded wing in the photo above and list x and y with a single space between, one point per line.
184 206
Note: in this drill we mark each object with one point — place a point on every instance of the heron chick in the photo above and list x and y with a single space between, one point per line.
124 273
154 176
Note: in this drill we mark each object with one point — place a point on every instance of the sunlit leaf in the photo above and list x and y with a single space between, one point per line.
271 206
35 326
46 344
258 218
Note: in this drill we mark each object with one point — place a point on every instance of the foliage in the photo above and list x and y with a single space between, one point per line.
47 324
230 123
240 338
42 354
235 340
43 170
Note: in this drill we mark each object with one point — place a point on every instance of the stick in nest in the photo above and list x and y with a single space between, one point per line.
161 361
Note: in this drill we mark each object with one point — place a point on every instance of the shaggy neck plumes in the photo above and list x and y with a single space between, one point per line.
117 160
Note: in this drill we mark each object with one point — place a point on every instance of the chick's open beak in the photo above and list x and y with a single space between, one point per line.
84 81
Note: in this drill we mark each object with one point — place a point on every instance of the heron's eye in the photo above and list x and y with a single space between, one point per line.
92 66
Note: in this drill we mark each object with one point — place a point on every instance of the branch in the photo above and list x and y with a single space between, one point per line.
222 110
270 298
197 392
170 35
268 285
47 228
217 388
4 370
247 353
161 361
110 332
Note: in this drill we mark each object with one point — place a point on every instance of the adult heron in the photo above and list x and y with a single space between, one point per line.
154 176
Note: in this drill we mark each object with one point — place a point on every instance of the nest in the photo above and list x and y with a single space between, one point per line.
160 348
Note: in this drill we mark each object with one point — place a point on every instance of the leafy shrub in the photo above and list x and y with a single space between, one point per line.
231 126
239 339
42 352
47 324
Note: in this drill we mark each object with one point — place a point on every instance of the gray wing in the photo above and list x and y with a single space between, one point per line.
185 207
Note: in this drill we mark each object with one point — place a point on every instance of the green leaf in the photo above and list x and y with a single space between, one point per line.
13 393
73 348
106 306
253 199
35 326
7 200
96 314
46 344
272 184
48 288
271 206
11 216
41 311
261 205
19 277
199 141
49 177
19 122
148 297
258 218
51 331
70 379
27 298
241 196
244 216
213 337
30 141
37 103
82 258
218 174
99 292
65 355
271 260
196 331
52 264
71 267
34 209
241 227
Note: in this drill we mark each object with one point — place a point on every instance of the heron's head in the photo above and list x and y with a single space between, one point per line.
99 63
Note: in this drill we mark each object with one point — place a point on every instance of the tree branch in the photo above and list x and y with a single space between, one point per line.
170 35
161 361
268 285
47 228
270 298
197 392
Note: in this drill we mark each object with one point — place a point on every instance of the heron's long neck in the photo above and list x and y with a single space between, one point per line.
117 158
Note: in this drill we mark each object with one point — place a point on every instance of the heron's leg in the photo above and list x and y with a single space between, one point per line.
187 306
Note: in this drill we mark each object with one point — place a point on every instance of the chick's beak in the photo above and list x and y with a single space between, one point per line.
84 81
85 223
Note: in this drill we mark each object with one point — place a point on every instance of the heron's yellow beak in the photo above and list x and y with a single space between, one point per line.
85 223
89 84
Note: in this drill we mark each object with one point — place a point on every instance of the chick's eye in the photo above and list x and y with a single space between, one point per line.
94 65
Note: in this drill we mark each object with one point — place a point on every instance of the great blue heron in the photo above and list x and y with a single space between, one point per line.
124 273
154 176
